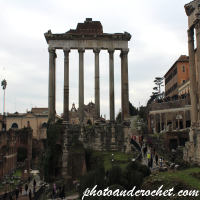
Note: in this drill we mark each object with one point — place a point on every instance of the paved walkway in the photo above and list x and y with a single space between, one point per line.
30 186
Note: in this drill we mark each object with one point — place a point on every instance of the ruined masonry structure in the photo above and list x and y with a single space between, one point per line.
192 149
89 35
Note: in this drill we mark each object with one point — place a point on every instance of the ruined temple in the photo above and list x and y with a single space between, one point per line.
102 136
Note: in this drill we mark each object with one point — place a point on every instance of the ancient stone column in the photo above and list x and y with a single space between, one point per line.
166 120
122 91
178 120
160 122
172 120
97 85
81 84
111 84
192 70
66 84
52 84
125 83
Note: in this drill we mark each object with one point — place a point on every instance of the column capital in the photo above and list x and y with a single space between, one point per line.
125 51
66 50
197 26
111 50
51 50
96 50
81 50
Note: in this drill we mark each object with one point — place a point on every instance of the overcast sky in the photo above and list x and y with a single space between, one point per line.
159 37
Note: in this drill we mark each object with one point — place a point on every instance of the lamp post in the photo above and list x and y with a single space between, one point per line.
133 160
112 159
4 84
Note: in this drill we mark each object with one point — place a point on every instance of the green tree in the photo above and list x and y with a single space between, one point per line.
89 122
119 118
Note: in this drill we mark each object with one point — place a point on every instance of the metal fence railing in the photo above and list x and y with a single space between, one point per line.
139 157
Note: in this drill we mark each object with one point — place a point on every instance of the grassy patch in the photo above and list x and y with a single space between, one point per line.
180 180
106 157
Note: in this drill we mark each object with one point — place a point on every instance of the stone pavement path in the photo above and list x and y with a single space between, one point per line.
144 160
30 186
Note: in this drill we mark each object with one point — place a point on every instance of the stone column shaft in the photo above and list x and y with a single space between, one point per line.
184 122
81 84
66 84
155 123
125 83
192 70
52 84
97 85
111 84
166 119
172 121
122 91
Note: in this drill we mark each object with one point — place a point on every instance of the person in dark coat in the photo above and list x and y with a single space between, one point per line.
34 184
154 150
29 179
63 192
10 195
26 188
156 159
151 161
30 194
5 196
17 193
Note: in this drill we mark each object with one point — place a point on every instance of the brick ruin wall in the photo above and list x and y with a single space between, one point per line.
9 143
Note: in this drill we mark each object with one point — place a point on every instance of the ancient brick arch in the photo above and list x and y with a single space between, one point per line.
9 143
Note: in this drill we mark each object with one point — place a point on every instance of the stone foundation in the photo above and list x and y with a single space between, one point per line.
103 137
191 153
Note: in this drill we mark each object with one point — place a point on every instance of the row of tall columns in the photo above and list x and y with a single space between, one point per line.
166 116
192 70
124 84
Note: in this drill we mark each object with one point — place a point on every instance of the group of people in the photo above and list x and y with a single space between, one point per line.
18 191
151 155
61 192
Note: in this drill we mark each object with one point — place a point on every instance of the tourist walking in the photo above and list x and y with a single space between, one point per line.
151 161
30 194
149 142
26 188
20 190
5 195
161 161
63 193
156 159
34 184
17 193
148 157
10 195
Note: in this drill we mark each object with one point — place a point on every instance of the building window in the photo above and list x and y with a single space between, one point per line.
14 125
28 124
44 125
183 69
183 81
